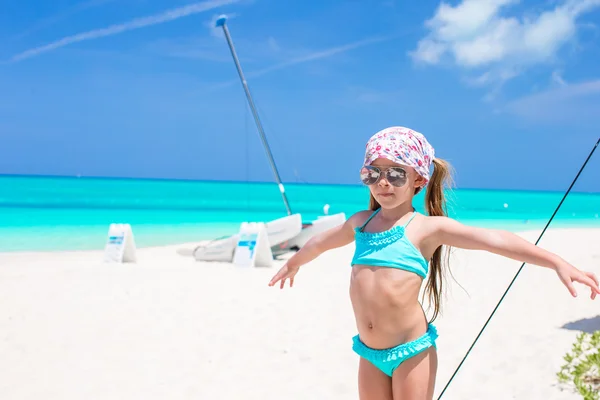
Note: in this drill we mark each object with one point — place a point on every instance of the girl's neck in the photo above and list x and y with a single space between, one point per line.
394 214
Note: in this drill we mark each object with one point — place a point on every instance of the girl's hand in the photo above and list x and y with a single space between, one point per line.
569 274
286 272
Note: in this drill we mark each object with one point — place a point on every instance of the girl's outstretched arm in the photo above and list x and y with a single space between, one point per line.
338 236
452 233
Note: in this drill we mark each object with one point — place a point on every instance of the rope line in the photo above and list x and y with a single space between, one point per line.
518 272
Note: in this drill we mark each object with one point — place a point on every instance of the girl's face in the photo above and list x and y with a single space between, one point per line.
391 184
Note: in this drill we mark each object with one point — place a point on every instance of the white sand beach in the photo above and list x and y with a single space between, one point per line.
169 327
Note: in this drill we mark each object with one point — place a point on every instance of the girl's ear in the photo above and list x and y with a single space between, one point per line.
419 181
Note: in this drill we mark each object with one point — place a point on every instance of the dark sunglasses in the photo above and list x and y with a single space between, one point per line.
370 175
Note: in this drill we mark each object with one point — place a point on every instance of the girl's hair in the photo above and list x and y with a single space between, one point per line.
435 205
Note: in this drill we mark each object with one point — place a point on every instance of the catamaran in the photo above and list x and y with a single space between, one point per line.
285 234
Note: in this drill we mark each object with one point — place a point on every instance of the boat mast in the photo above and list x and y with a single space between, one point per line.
221 23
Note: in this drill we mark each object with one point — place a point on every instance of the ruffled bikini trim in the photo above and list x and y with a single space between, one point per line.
380 238
401 351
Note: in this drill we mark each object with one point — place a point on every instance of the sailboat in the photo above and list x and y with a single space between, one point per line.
285 234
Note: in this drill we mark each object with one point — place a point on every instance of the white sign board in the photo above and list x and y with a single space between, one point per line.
120 246
253 248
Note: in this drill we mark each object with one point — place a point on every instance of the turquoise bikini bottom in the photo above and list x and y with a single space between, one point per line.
387 360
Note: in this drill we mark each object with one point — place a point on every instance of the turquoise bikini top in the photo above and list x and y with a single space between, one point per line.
389 248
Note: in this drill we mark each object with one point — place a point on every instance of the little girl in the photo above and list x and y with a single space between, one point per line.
396 248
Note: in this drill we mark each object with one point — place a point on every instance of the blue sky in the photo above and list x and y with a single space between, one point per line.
508 91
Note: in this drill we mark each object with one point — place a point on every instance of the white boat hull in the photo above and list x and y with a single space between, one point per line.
321 224
284 234
279 231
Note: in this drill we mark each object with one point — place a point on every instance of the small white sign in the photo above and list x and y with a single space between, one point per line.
120 246
253 248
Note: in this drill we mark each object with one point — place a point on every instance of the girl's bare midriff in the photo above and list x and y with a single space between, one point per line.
386 306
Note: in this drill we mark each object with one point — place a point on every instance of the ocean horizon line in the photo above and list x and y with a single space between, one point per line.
191 180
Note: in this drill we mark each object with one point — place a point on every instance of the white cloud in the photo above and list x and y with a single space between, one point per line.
558 79
477 34
137 23
430 51
313 56
52 20
466 19
320 54
571 103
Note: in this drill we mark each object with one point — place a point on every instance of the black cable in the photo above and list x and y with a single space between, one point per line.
518 272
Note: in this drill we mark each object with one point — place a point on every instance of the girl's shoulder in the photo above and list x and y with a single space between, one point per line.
432 223
359 218
439 230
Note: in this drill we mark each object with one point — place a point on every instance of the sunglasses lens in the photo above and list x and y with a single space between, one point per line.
396 176
369 175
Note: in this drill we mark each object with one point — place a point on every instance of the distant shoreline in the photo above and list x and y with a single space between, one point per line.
93 238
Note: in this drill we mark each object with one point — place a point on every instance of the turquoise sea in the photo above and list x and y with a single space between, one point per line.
68 213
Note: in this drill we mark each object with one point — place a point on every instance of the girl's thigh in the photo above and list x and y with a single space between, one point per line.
372 383
414 379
